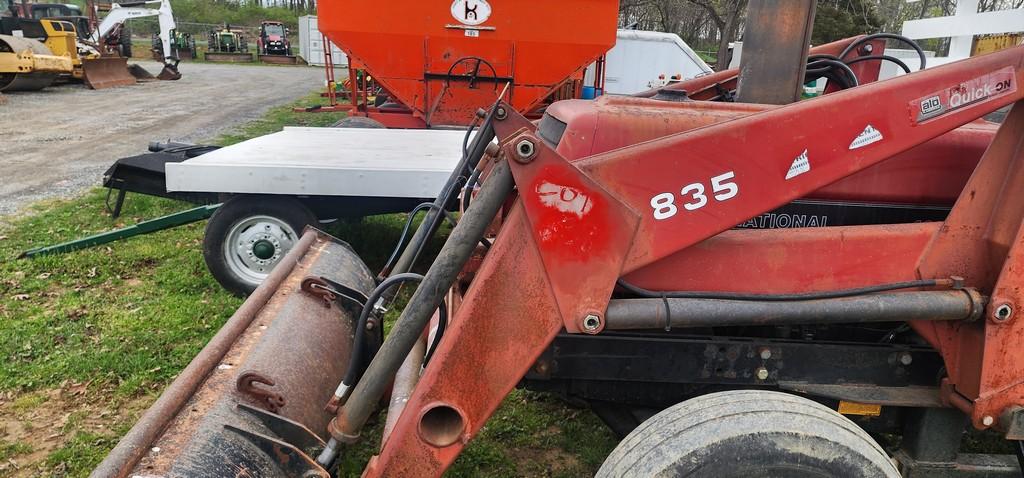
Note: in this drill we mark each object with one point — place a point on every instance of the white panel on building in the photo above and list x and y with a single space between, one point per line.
311 44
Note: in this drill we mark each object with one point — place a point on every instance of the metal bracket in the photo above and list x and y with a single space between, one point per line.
352 300
290 430
246 384
292 461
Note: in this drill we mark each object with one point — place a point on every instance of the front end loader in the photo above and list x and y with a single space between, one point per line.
746 269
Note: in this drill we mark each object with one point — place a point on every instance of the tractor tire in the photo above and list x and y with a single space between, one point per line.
125 46
621 419
358 122
249 235
745 433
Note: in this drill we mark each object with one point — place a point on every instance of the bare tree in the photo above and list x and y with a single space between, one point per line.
727 16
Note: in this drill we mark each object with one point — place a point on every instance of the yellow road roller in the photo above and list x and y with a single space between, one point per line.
27 64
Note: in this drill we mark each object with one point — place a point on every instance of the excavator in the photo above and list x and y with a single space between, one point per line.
112 25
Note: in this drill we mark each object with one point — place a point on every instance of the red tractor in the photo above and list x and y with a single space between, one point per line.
747 288
273 39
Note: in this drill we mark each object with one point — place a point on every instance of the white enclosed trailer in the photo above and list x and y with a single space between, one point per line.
641 60
311 44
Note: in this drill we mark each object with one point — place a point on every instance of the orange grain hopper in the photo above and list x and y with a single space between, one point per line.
438 61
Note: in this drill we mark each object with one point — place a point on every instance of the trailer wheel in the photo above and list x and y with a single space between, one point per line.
247 237
747 433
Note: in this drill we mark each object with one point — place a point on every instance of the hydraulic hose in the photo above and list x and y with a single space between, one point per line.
891 36
897 61
428 296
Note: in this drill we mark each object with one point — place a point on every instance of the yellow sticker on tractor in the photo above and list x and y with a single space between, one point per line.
854 408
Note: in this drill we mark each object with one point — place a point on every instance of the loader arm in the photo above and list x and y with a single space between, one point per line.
578 227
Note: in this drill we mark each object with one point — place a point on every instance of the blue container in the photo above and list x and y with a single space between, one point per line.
589 93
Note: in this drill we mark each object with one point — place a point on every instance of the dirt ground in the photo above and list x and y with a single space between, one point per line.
59 141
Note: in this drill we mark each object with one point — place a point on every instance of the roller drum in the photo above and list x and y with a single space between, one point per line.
24 81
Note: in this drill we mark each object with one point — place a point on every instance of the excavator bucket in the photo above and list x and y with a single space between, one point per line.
106 72
252 402
169 73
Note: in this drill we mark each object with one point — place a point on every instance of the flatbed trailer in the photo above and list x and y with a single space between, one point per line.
272 186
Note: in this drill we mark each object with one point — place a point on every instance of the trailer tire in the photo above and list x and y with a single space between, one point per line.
744 433
358 122
248 236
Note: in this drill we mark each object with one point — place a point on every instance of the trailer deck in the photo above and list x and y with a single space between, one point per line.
326 162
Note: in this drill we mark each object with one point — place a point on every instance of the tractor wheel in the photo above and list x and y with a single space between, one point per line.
358 122
747 433
125 45
249 235
620 418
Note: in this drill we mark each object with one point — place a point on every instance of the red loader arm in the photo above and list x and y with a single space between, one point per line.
578 227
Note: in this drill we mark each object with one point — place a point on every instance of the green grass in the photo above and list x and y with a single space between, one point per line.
106 329
11 450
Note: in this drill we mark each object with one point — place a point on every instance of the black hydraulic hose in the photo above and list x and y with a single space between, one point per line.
467 191
430 223
830 75
442 324
469 132
891 36
448 196
830 294
355 363
812 67
897 61
385 271
425 300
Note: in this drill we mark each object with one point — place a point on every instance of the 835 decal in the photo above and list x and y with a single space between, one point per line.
695 196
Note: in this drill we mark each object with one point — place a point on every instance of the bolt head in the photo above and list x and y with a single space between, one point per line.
906 359
500 113
525 150
1003 313
766 353
591 323
987 420
762 373
541 367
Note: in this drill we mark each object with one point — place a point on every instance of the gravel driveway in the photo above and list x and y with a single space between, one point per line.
58 141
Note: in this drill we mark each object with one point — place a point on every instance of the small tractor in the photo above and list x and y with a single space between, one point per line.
183 46
273 45
741 283
227 45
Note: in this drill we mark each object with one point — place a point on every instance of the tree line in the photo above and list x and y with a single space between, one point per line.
710 25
